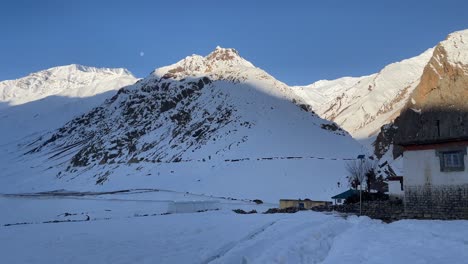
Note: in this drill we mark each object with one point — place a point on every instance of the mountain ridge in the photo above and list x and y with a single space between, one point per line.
214 117
44 100
356 103
70 80
232 124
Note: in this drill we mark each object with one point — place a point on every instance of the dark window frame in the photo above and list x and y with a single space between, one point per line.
460 152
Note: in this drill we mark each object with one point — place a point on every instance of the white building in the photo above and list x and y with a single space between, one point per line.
436 178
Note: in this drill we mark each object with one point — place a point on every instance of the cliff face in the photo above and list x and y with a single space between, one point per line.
444 83
438 107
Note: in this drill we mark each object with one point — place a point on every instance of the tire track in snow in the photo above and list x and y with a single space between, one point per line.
293 242
226 248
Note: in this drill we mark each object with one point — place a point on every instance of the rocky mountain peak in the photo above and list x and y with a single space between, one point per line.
455 47
219 64
437 107
223 54
444 81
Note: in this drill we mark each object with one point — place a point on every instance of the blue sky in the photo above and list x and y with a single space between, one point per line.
298 42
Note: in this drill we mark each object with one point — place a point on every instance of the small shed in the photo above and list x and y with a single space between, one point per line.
301 204
339 198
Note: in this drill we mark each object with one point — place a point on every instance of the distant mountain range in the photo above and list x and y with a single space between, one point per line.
45 100
215 125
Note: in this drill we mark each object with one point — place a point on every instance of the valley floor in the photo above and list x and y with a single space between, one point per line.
132 227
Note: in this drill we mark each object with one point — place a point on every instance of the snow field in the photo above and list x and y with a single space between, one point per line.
225 237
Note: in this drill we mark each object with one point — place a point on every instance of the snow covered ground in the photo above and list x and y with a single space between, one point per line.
131 227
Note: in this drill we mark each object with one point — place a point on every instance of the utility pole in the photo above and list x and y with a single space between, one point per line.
361 178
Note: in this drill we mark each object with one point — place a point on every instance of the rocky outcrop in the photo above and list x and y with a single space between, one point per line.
444 83
221 64
384 140
438 107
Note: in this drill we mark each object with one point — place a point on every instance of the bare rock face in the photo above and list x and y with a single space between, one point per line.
444 83
384 140
438 107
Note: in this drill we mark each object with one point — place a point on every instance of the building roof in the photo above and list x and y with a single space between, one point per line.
434 141
345 195
435 145
303 200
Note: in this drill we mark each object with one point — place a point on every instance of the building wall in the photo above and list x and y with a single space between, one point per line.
437 202
308 204
288 203
430 193
422 167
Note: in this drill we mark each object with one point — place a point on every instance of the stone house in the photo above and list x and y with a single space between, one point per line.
434 140
436 178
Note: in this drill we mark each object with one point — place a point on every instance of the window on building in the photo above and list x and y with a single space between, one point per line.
452 160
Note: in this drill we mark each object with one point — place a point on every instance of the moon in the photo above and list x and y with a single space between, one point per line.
142 54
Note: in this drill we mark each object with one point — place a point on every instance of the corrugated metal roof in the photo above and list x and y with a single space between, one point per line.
346 194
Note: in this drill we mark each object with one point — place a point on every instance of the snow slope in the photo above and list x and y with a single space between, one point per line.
363 105
45 100
213 124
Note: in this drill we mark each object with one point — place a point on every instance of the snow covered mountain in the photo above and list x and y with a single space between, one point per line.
47 99
367 106
362 105
70 81
214 124
219 125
